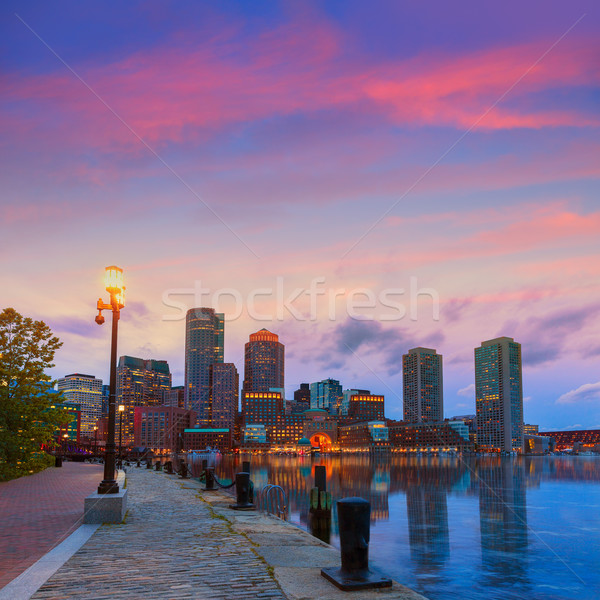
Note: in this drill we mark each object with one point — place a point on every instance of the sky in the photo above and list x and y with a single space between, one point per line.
359 178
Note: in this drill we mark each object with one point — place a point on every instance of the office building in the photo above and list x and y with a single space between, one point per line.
175 397
326 395
85 391
301 398
365 406
139 383
224 394
423 385
499 395
204 336
347 394
161 428
264 361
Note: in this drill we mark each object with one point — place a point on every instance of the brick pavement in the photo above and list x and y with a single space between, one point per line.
39 511
171 546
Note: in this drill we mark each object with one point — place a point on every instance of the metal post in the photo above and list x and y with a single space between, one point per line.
210 478
109 484
354 525
321 478
120 439
246 466
242 487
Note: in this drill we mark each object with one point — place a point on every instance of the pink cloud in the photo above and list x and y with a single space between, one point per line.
184 92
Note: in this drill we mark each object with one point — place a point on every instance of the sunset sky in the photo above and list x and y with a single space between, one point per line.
247 146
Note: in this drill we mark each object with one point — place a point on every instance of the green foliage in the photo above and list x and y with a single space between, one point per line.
27 349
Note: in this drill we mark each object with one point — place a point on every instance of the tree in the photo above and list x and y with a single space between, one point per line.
27 349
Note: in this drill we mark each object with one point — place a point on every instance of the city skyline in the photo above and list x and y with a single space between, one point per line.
329 146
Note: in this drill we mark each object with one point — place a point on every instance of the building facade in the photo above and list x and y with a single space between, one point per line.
140 382
204 343
175 397
370 436
423 385
201 438
224 394
301 398
264 362
429 436
326 395
160 428
365 406
499 395
85 391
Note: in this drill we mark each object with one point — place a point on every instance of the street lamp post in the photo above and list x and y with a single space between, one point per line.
95 440
121 410
64 445
116 289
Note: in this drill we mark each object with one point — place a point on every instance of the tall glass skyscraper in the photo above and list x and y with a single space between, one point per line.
204 335
327 395
499 395
423 385
264 362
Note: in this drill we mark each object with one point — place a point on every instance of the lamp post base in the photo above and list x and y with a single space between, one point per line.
108 487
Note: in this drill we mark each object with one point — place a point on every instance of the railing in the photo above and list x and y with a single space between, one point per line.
273 501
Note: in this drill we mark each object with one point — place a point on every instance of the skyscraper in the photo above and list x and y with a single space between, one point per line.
139 383
224 394
499 395
86 391
327 395
263 362
423 385
204 334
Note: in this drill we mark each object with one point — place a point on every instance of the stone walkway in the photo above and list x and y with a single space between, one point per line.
39 511
172 545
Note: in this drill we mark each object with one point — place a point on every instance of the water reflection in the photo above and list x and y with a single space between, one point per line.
434 540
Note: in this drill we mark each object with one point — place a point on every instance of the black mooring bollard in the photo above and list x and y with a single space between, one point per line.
58 461
321 478
138 464
354 524
183 470
158 466
210 478
242 487
148 464
204 464
168 467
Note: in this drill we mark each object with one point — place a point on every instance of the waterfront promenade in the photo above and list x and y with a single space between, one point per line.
178 541
39 511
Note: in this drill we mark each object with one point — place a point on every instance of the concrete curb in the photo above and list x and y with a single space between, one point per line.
33 578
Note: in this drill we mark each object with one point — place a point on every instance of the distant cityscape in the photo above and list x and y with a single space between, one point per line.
156 416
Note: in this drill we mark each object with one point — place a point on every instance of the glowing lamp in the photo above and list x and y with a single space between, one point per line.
113 278
121 408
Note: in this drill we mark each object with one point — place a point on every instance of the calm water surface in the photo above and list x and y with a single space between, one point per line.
474 528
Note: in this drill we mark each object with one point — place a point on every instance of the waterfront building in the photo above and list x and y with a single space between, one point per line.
321 429
204 345
262 407
423 385
365 406
428 436
326 395
201 438
140 382
264 361
538 444
370 436
255 433
566 440
85 391
161 428
346 395
175 397
224 393
288 429
530 429
499 395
